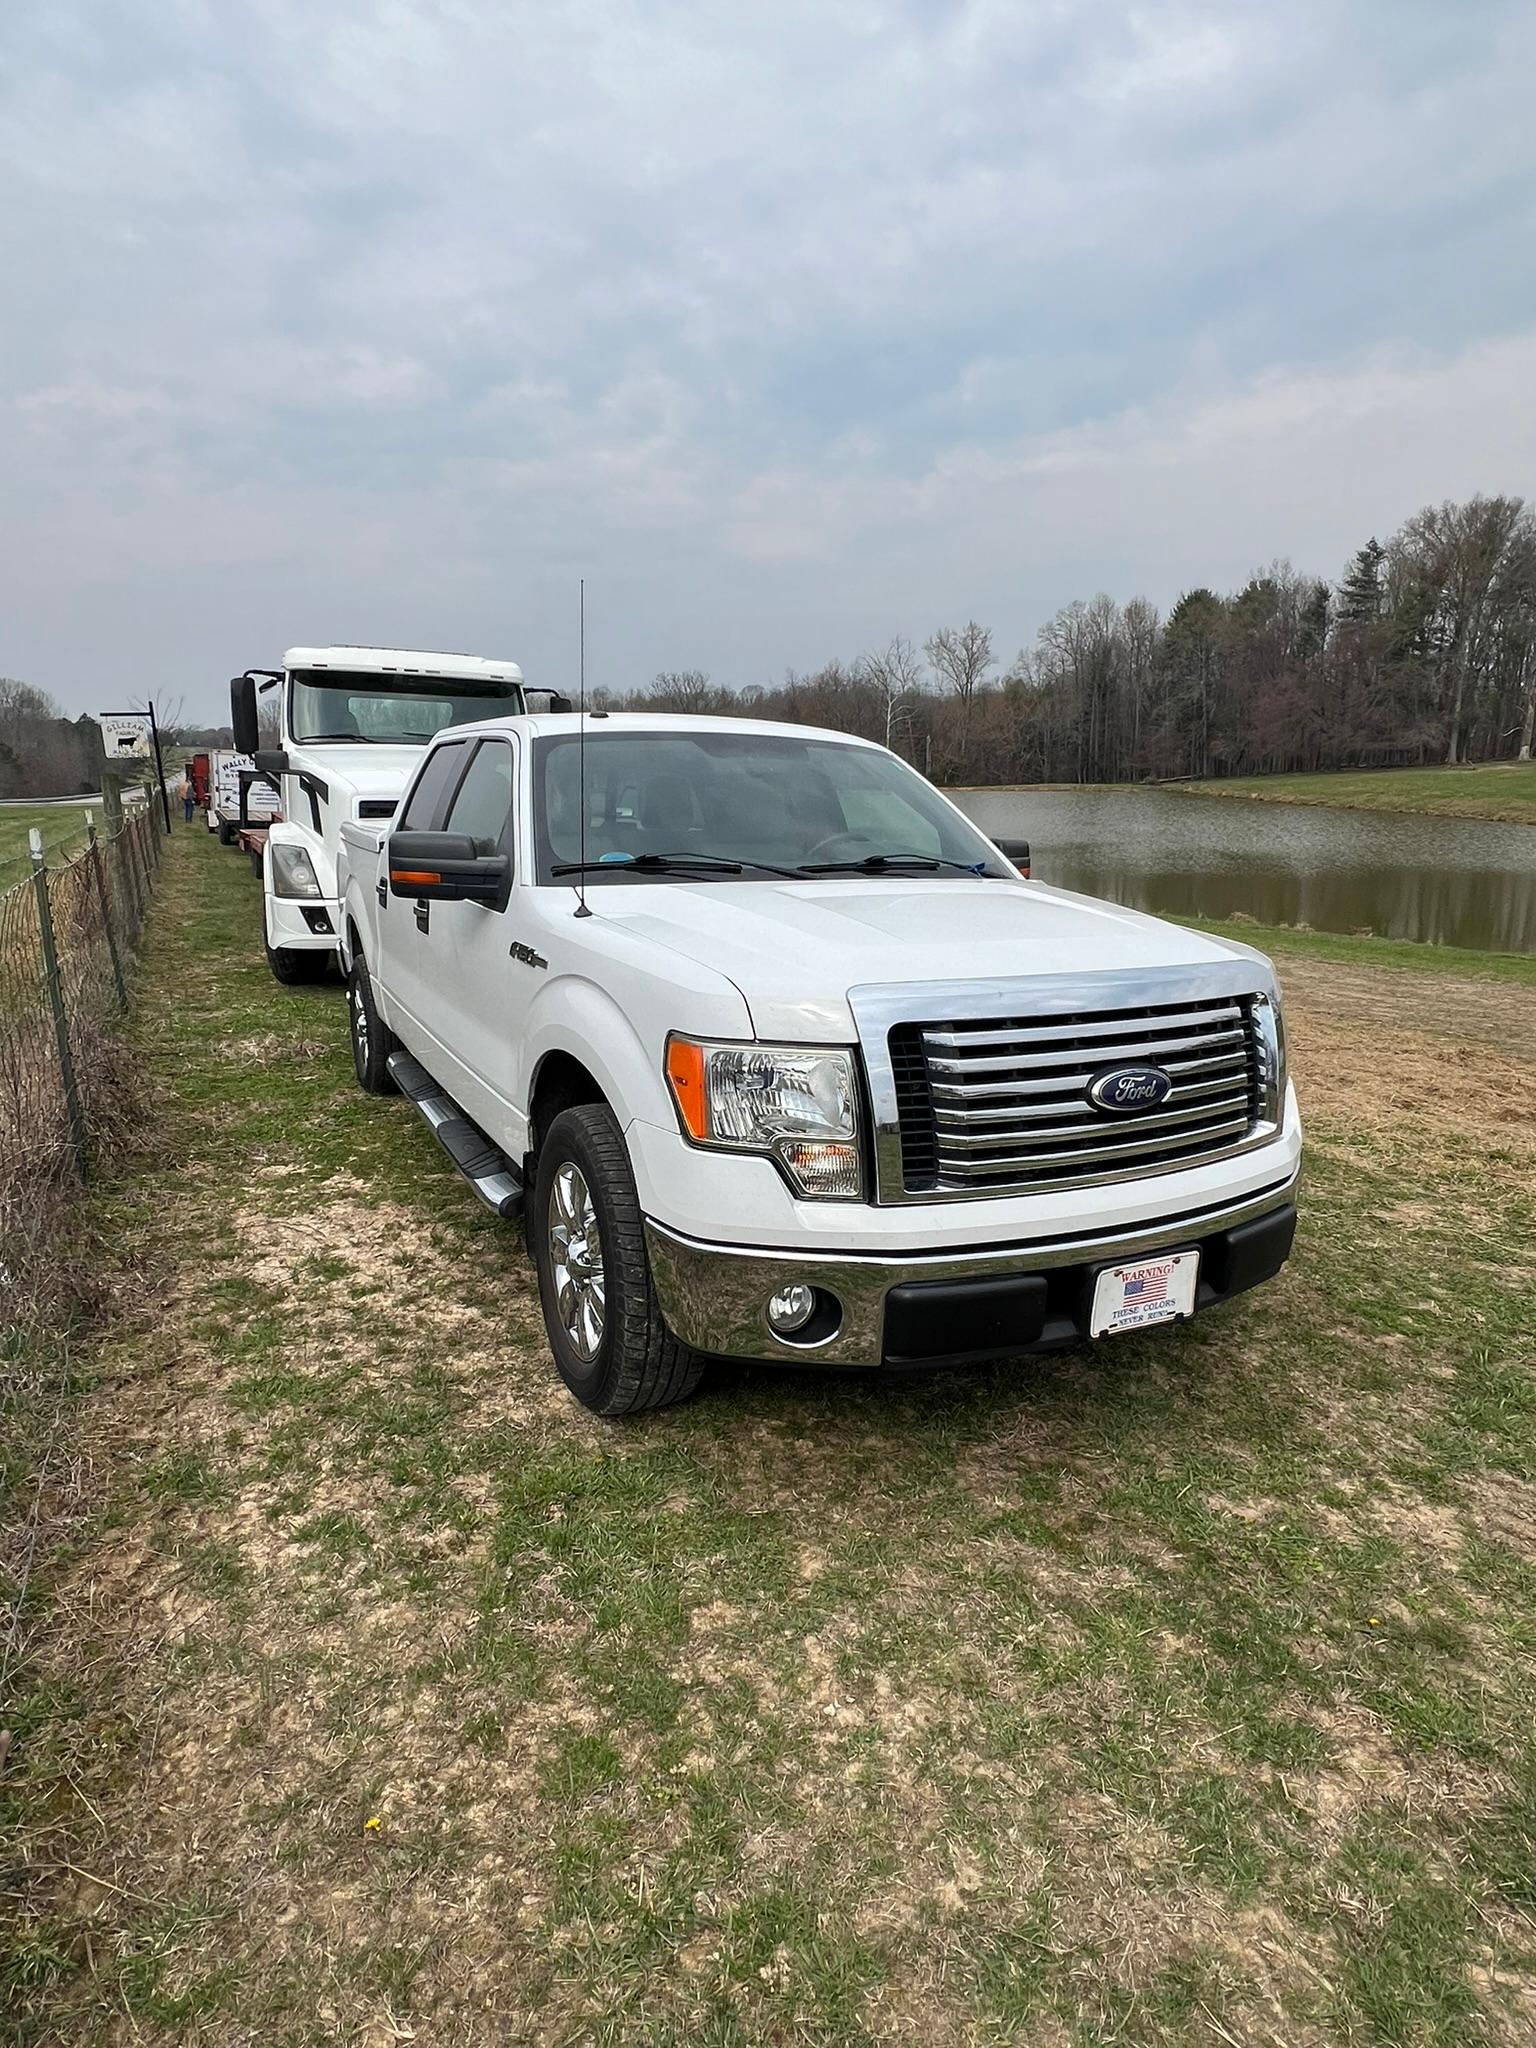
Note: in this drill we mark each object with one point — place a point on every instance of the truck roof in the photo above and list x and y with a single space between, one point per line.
402 661
543 723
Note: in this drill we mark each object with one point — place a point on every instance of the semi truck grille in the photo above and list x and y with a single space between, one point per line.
1001 1105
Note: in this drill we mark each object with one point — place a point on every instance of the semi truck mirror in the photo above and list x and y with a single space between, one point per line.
242 713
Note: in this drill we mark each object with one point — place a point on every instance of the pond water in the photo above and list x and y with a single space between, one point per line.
1447 881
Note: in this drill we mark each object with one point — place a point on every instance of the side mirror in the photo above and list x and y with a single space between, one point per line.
268 760
242 713
1017 851
444 867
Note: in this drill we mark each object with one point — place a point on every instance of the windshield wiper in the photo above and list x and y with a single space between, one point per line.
669 863
362 739
890 863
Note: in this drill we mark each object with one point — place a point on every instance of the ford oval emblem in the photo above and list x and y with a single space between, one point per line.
1129 1090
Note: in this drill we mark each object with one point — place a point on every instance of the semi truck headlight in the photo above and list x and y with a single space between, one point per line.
797 1105
293 872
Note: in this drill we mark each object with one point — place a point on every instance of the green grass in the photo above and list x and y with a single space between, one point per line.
1455 963
1166 1693
1504 790
62 827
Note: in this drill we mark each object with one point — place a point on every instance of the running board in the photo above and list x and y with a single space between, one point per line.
487 1169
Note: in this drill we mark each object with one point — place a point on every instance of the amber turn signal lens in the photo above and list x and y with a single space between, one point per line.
417 875
685 1071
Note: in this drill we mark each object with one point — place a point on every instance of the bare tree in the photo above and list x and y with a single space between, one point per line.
897 674
1464 556
961 661
682 689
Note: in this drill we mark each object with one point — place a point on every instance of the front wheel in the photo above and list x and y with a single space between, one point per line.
372 1039
605 1328
228 833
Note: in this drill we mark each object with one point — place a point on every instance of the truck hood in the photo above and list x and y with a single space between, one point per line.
353 772
795 949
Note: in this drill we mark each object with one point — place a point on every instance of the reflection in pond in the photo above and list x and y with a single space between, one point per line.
1448 881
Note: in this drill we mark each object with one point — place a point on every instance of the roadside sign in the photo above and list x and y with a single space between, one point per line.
126 736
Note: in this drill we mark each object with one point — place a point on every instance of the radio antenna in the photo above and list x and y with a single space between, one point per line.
581 743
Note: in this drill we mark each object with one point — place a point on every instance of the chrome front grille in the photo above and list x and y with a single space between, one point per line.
1000 1104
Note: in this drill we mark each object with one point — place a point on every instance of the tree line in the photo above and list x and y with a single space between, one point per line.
43 753
1424 651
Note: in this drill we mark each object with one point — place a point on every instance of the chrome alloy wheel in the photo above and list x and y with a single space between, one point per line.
576 1261
359 1022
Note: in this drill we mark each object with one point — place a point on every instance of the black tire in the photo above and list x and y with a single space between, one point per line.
637 1363
372 1039
227 833
293 966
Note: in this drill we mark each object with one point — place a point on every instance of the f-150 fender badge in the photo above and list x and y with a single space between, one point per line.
526 954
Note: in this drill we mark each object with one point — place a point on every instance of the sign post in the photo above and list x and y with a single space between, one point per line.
135 736
165 796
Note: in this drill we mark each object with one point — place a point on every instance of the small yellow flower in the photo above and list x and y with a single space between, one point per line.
1375 1621
372 1824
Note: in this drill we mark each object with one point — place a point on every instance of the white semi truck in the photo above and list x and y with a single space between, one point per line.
351 726
779 1058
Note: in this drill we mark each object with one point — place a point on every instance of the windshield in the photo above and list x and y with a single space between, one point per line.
393 710
748 797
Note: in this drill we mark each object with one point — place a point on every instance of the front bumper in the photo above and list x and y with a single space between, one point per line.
303 924
945 1307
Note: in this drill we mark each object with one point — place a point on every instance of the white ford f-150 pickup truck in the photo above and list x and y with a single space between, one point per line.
779 1058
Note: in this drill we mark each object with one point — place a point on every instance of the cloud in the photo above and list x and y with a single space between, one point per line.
792 326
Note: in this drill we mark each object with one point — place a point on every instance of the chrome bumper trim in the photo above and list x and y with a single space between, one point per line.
713 1295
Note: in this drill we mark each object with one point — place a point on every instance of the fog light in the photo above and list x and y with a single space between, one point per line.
791 1309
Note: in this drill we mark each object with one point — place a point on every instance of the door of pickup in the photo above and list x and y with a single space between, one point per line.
481 985
406 966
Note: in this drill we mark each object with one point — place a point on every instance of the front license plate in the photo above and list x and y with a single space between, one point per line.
1156 1290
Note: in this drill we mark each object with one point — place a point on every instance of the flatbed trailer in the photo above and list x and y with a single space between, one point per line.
252 840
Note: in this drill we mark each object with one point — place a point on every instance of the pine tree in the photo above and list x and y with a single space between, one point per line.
1360 594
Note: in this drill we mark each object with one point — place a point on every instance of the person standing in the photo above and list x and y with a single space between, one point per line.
188 798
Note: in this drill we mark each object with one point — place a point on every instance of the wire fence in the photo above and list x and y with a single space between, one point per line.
67 935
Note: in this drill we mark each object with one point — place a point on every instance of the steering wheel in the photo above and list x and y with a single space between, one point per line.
841 846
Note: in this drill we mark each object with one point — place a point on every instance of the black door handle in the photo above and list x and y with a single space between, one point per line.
383 895
423 912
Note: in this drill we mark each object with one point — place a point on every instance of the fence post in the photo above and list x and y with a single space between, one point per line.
138 860
94 857
56 1003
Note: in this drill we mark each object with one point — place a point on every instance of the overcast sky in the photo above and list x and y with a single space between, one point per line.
791 327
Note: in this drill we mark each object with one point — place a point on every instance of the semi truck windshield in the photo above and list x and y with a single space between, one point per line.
396 710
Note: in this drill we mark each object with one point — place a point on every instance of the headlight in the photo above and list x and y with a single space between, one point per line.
1269 1023
798 1106
293 872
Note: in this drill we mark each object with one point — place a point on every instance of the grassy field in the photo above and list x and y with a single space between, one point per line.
1177 1692
1504 790
62 827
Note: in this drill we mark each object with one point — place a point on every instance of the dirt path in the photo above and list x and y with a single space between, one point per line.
1167 1693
